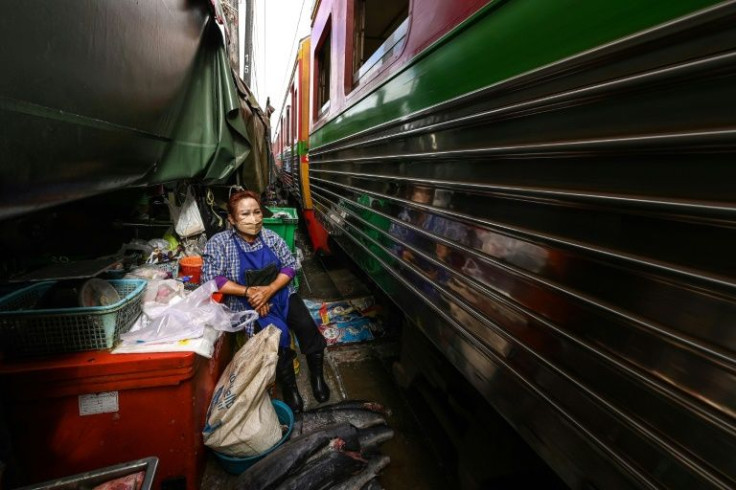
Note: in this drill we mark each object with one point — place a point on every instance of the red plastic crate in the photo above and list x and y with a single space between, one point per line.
79 412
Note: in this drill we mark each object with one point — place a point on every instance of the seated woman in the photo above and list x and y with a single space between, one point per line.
253 267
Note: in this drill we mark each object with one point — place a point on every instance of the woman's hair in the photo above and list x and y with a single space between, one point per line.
239 196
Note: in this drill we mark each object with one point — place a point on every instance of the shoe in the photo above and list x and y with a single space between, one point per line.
319 385
286 378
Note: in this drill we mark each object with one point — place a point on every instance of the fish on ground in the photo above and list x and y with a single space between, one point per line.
335 466
371 437
374 484
347 426
356 482
364 440
335 444
354 405
275 466
310 421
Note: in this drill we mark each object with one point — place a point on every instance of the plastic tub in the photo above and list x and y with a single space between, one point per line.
236 466
284 223
191 266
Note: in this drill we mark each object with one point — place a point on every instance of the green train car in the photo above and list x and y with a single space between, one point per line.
546 190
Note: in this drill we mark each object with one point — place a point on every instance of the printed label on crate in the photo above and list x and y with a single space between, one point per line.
94 403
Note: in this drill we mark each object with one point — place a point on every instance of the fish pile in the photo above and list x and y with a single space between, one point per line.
334 446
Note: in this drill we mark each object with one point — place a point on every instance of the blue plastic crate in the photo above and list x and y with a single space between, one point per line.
27 332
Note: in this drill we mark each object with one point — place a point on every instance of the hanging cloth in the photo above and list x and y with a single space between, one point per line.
258 260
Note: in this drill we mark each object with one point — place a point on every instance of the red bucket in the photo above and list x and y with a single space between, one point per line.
192 267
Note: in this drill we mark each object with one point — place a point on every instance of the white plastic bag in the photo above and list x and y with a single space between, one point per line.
204 345
186 319
241 420
189 222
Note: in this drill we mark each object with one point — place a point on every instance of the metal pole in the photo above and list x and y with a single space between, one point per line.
248 44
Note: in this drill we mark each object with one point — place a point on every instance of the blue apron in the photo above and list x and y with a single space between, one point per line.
279 301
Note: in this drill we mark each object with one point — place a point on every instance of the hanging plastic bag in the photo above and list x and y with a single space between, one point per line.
241 420
189 221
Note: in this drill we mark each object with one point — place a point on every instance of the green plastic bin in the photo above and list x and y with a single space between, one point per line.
283 222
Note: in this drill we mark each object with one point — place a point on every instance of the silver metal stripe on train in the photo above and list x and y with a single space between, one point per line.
589 209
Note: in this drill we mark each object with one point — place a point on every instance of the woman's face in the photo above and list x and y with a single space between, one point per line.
248 218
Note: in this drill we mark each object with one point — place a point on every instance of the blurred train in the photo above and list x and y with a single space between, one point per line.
546 188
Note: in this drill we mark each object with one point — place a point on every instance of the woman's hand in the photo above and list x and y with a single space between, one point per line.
264 310
259 296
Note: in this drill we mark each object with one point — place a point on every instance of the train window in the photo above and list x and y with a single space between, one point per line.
322 59
282 133
292 128
379 32
297 114
288 125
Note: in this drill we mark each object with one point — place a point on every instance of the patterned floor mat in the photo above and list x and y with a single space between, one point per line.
347 321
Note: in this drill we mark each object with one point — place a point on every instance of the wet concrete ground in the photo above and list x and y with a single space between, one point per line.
363 371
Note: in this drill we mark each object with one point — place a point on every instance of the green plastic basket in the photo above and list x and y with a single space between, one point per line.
28 332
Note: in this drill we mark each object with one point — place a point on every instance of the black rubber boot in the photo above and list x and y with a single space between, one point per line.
287 380
319 386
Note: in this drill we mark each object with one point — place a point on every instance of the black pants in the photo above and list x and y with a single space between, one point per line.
300 322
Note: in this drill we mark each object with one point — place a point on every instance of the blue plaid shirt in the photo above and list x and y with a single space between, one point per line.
221 258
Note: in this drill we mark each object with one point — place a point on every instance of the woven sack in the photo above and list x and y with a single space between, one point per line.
241 420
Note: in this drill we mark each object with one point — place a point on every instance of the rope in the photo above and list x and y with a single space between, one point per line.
210 200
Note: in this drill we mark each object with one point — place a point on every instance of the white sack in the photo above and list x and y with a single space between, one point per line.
241 420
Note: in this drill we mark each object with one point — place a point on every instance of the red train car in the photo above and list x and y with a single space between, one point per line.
291 145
